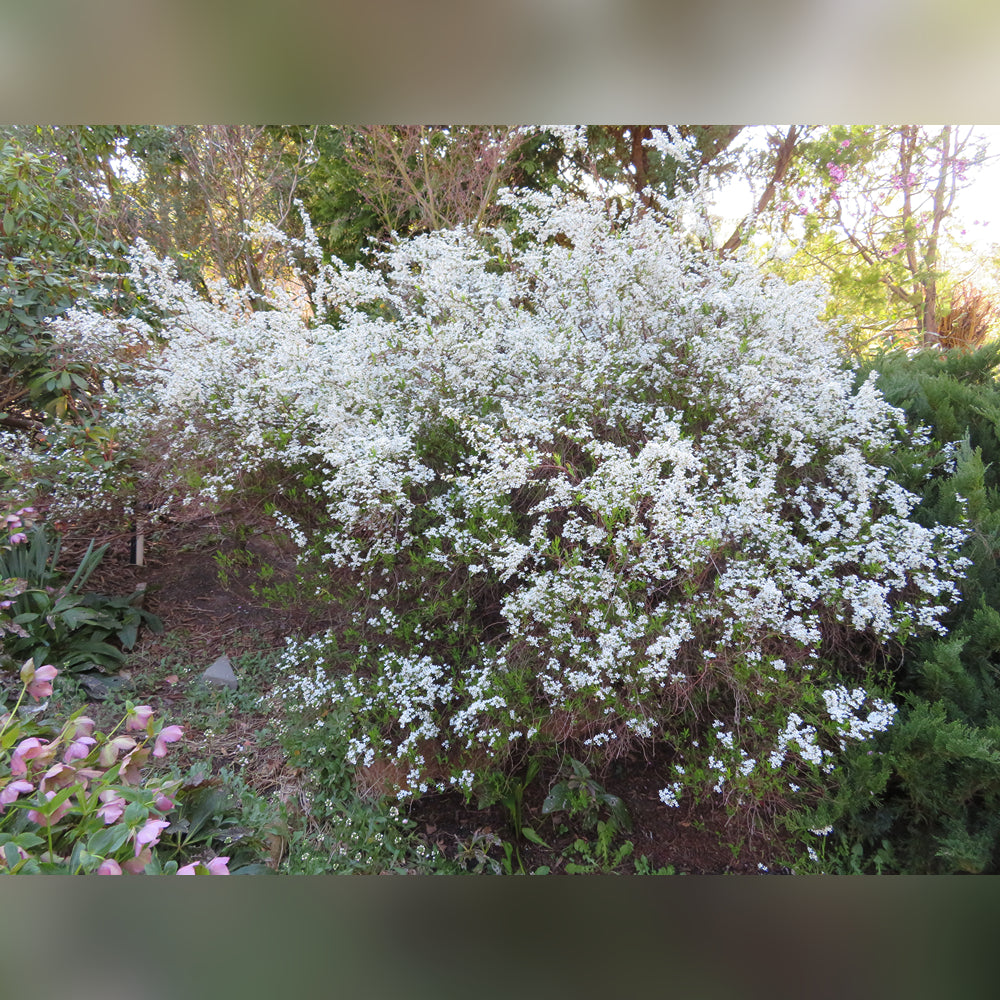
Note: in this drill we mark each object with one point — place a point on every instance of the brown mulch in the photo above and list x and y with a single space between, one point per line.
184 586
690 839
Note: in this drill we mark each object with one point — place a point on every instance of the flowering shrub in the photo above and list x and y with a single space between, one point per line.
76 802
593 488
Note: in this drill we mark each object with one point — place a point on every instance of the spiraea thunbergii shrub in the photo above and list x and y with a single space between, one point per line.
594 487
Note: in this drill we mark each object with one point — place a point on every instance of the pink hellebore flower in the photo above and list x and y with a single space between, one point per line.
129 770
27 750
12 790
42 820
79 748
41 687
217 866
58 776
114 806
110 751
171 734
149 834
83 726
109 867
38 680
12 521
164 802
139 862
18 538
139 718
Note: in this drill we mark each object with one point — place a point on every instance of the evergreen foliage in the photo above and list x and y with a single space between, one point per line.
934 797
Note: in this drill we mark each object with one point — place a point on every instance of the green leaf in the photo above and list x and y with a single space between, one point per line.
154 867
108 840
98 649
47 808
27 840
212 801
128 634
530 835
556 799
135 813
74 617
152 622
78 858
254 869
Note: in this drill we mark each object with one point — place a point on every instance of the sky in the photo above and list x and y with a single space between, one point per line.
980 202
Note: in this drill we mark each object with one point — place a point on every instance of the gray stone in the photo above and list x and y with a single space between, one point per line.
220 674
100 687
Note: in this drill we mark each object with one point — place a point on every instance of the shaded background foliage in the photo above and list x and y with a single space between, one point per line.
57 247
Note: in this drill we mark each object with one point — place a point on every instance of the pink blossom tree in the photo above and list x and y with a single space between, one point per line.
875 205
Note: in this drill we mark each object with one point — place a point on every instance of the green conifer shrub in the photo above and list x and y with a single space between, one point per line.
929 798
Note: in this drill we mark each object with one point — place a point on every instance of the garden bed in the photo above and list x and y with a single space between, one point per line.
207 611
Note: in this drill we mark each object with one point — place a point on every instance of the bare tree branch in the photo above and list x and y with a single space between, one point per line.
781 164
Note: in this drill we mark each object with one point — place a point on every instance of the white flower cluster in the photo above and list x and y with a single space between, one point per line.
651 458
843 707
669 795
797 745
